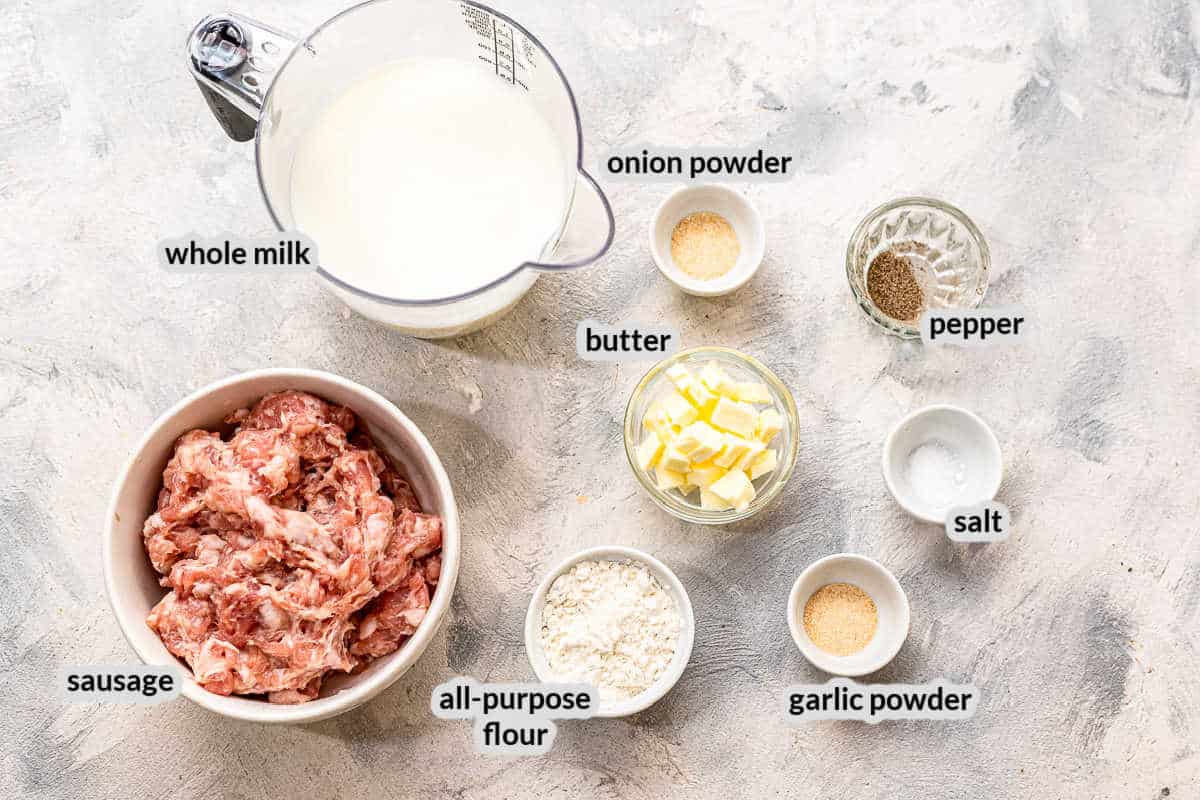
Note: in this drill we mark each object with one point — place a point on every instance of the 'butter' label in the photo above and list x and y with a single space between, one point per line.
595 341
977 327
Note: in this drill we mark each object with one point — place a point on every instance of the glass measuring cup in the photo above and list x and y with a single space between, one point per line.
265 85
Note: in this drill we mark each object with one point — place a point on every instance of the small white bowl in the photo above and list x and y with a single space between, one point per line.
731 205
891 604
132 582
961 432
683 647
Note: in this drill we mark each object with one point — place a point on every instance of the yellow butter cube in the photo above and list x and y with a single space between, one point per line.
667 479
755 449
654 413
700 395
658 422
766 463
681 377
770 423
705 475
655 416
710 502
735 448
699 441
718 380
674 460
648 451
753 392
734 489
679 409
735 417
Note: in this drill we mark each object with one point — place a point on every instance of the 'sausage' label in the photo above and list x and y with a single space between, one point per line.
142 684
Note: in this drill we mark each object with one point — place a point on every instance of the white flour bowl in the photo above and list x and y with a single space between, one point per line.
132 583
670 583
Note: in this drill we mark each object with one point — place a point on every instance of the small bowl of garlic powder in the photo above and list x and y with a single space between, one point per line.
848 615
708 240
615 618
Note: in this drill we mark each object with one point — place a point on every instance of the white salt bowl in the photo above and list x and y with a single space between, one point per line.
958 430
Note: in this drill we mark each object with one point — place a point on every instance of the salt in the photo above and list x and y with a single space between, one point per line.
937 474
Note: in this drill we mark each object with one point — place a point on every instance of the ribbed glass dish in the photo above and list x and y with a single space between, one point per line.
948 254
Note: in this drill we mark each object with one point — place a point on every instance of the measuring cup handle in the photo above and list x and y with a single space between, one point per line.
234 59
590 226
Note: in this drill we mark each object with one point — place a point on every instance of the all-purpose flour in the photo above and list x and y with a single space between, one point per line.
610 624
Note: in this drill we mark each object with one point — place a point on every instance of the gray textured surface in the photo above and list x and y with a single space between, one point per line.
1069 132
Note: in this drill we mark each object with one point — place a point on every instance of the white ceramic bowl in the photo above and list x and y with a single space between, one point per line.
959 431
683 648
891 604
132 582
731 205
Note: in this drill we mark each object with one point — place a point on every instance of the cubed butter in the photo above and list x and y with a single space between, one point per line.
705 475
679 409
699 441
735 417
682 377
657 420
648 452
718 380
654 413
735 448
753 392
704 432
700 395
667 480
673 459
770 423
766 463
710 502
754 449
735 489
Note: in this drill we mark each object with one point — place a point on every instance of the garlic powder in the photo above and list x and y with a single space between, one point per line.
610 624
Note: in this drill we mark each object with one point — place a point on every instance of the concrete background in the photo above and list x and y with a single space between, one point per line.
1067 131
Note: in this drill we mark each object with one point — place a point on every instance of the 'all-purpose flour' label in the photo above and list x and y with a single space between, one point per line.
512 719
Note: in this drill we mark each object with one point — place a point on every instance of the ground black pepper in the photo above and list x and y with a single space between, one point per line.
893 288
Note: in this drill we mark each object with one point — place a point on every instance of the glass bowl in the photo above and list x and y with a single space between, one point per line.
740 367
949 256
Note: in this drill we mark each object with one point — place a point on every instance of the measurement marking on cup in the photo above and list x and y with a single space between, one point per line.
512 51
512 55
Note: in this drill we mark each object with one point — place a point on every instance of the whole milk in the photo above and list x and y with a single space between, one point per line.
427 179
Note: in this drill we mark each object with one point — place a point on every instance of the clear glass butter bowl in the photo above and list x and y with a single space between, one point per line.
656 384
